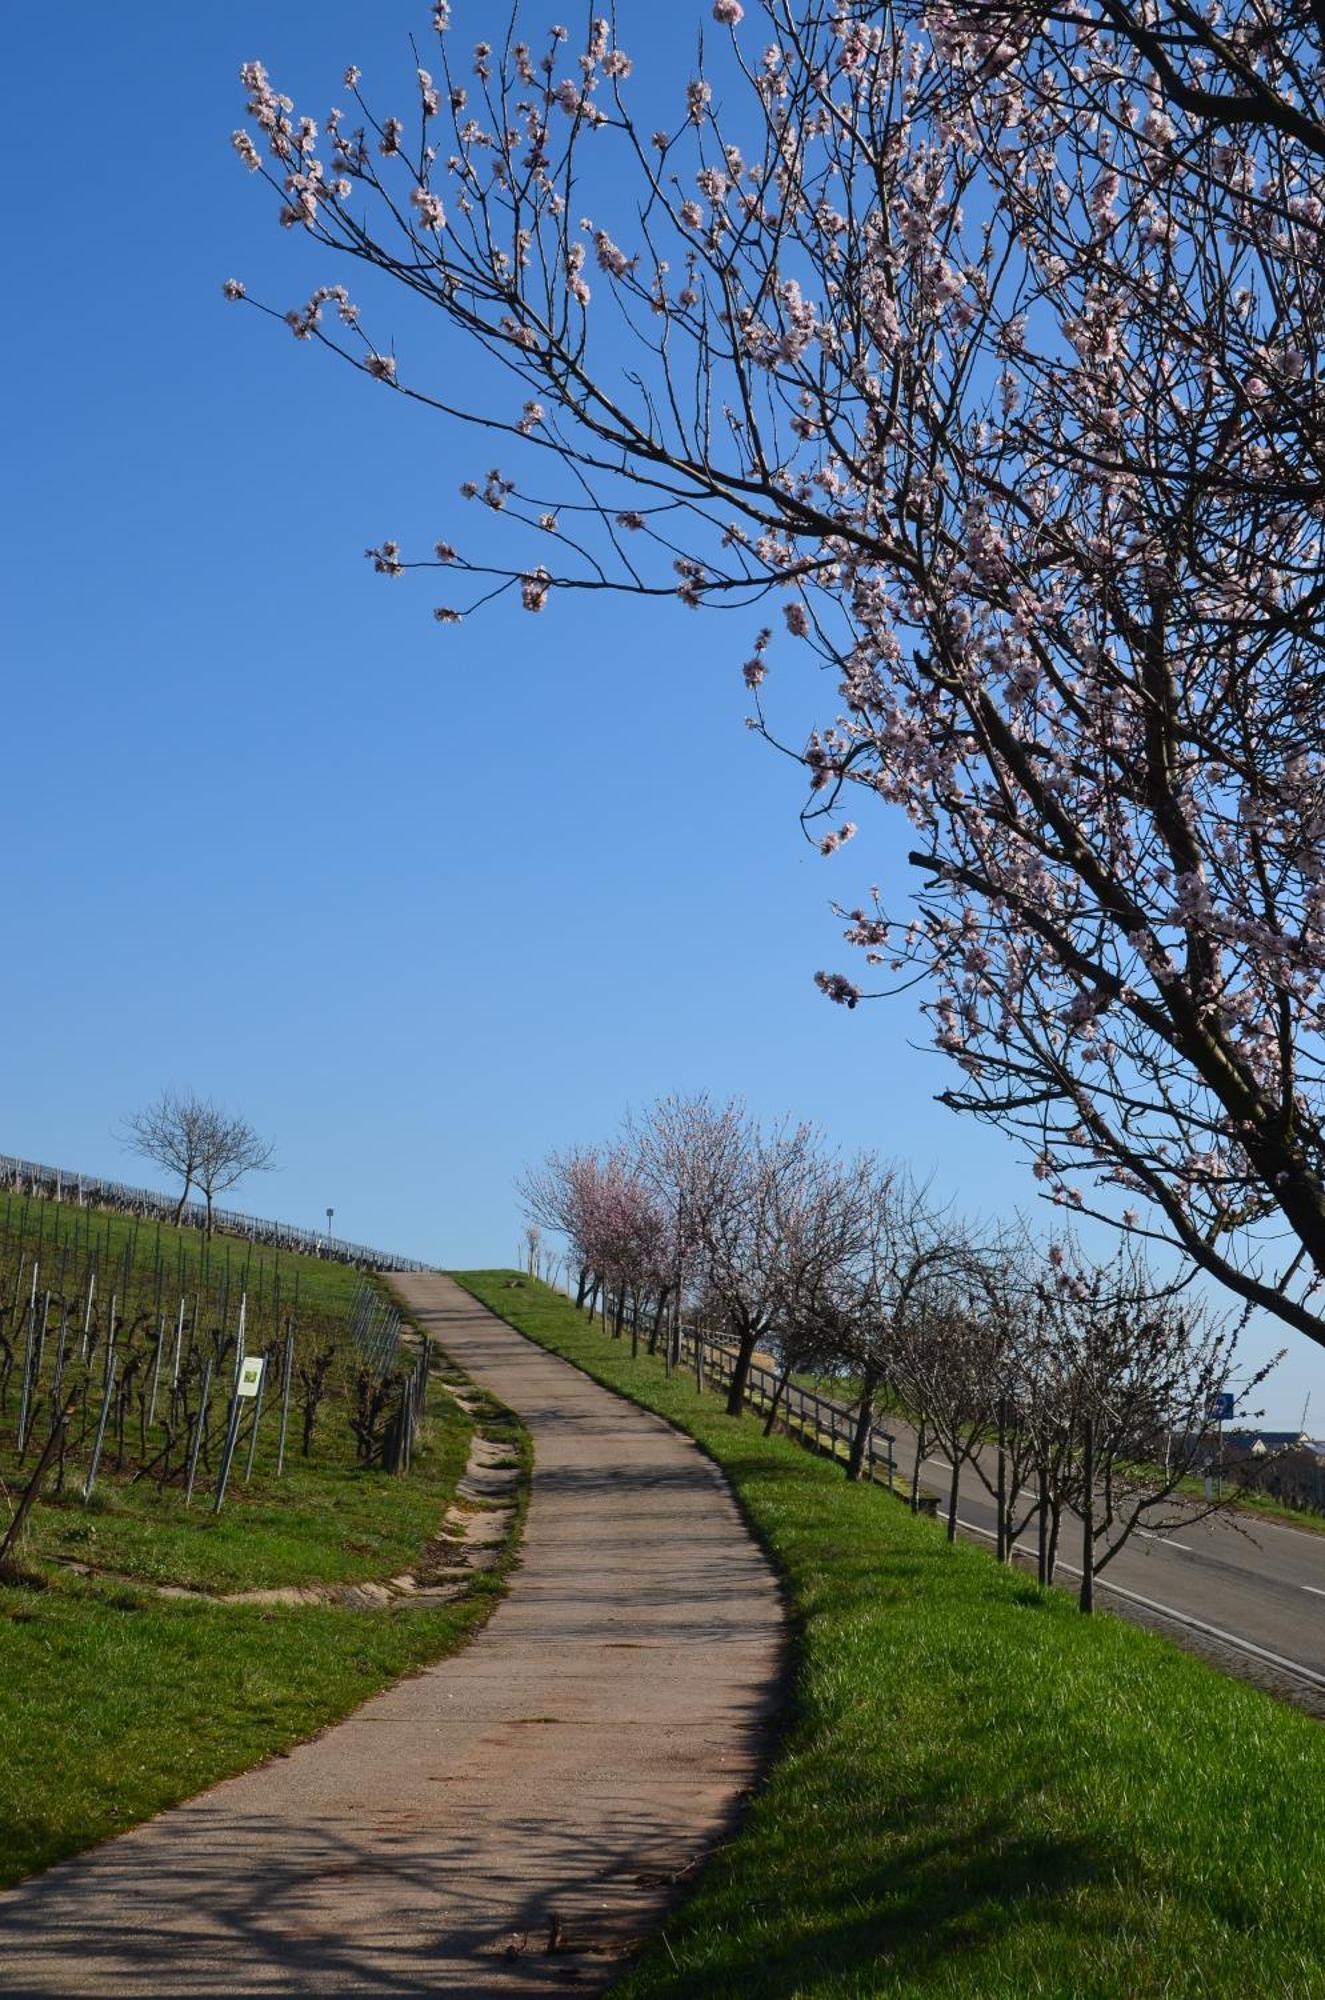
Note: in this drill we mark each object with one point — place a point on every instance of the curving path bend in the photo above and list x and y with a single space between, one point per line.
542 1788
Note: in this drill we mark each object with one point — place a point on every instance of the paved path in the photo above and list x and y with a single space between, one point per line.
584 1749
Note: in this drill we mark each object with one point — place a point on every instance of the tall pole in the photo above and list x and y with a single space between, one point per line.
1087 1599
1001 1544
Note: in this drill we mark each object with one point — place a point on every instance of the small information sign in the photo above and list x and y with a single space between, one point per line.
250 1375
1222 1406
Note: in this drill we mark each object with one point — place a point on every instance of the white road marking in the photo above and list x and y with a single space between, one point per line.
1315 1589
1167 1540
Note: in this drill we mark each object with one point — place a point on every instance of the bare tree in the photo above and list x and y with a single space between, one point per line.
176 1131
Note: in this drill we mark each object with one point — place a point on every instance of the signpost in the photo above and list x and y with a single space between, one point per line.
1219 1407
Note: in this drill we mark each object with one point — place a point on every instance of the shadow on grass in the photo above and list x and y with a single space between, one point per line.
940 1899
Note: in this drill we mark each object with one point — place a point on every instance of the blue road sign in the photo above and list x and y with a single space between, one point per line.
1221 1407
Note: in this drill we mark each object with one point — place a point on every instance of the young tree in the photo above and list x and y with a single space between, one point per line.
173 1132
949 1361
688 1151
1139 1367
561 1196
986 339
230 1149
208 1148
902 1236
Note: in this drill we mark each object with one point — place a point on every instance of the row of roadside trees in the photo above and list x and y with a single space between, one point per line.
1076 1392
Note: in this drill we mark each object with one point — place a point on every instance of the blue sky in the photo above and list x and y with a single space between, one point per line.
422 903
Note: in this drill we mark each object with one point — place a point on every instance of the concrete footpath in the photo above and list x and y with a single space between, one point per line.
511 1821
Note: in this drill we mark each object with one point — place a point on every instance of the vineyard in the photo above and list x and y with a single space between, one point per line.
154 1382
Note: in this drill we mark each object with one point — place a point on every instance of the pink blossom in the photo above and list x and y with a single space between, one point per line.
382 367
728 13
612 259
432 215
798 623
838 987
233 288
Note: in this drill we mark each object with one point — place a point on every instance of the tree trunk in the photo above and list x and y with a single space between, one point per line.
1087 1597
1002 1550
778 1387
179 1205
861 1435
741 1372
953 1493
916 1464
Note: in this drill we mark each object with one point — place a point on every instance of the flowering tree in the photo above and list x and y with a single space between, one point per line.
1116 1380
690 1154
986 340
617 1233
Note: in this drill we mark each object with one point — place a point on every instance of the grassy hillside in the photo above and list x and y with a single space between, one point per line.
114 1701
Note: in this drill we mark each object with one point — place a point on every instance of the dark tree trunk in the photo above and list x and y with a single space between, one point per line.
861 1435
658 1317
1087 1597
1003 1548
916 1464
741 1372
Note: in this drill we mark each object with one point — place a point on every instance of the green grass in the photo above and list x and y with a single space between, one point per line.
325 1521
979 1793
116 1703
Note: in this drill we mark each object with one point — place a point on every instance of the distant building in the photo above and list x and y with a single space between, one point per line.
1258 1444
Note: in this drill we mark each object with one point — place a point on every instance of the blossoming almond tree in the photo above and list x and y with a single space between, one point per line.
978 343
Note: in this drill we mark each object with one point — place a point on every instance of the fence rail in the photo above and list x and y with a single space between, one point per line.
817 1420
31 1177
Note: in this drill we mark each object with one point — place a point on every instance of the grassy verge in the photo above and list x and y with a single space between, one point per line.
979 1793
115 1703
327 1522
